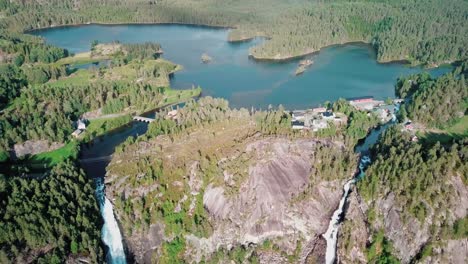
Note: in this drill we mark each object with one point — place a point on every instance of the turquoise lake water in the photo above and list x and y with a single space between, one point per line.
338 71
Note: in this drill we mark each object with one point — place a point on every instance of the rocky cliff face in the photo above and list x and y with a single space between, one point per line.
408 236
354 232
265 206
256 190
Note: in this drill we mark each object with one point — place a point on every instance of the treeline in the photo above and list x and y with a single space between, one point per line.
140 51
48 112
438 102
433 31
418 175
14 78
49 220
26 48
208 110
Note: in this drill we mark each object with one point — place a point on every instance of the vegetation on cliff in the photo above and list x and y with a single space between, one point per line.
423 181
161 178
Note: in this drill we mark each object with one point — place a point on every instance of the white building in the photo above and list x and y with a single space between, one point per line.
81 124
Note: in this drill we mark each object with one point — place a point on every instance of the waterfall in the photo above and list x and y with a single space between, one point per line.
110 232
331 236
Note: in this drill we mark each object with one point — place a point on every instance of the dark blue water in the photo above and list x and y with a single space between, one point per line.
340 71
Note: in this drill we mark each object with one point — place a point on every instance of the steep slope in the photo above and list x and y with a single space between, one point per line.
227 188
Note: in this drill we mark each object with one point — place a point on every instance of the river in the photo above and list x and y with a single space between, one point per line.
338 71
331 235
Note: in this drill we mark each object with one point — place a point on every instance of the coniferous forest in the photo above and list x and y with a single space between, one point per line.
420 31
159 180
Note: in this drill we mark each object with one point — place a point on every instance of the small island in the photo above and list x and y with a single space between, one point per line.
205 58
303 65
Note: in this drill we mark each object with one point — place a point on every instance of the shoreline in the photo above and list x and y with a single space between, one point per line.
28 31
314 52
289 58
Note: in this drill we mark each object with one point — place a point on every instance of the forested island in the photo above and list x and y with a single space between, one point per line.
205 182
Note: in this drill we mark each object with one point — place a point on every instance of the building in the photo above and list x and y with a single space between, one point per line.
328 115
297 124
365 103
77 133
172 114
318 124
298 115
319 109
81 124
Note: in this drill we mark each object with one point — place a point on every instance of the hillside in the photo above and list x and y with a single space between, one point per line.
219 186
412 203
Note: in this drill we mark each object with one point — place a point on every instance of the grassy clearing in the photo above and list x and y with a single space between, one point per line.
153 72
99 127
80 58
175 96
80 77
51 158
457 131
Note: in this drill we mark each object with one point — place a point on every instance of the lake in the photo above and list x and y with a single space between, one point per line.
338 71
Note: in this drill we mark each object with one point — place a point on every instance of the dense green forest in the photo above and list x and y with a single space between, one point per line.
439 102
43 100
421 31
50 219
420 174
421 178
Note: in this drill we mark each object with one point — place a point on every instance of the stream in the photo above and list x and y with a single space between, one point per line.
331 235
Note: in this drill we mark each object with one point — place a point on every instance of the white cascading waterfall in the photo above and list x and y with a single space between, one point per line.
110 232
331 236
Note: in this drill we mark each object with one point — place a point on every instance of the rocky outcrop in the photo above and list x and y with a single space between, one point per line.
408 236
353 235
314 252
32 147
143 245
453 251
265 206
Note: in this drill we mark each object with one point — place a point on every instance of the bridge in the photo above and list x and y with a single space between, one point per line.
143 119
95 160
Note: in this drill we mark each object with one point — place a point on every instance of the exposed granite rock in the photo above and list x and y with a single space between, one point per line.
143 245
454 251
32 147
315 249
264 207
353 234
271 257
408 236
